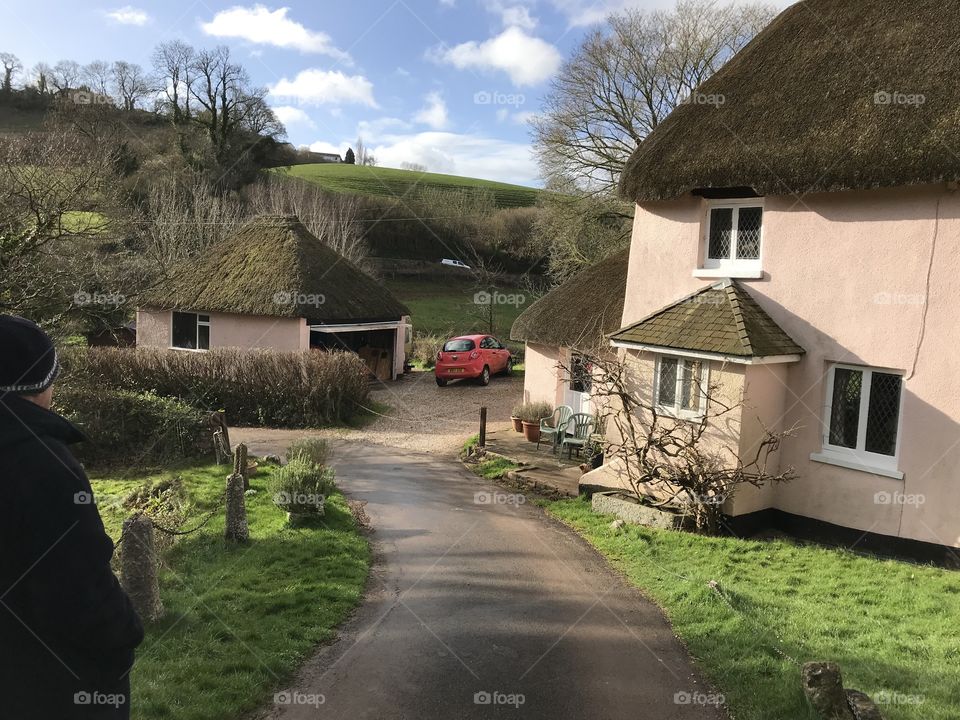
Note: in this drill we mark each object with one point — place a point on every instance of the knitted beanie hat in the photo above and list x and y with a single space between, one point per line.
28 359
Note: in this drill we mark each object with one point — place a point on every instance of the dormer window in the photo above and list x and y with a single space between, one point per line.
733 239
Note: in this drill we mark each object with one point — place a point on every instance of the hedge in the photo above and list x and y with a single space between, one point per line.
134 428
253 387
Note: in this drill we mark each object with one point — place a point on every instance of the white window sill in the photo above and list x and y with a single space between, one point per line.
195 350
729 272
674 414
852 464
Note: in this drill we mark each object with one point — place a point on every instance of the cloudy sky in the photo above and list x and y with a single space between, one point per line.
450 84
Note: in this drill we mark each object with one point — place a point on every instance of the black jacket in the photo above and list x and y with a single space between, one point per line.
67 629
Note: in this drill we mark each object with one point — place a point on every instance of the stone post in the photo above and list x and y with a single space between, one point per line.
138 567
823 686
236 522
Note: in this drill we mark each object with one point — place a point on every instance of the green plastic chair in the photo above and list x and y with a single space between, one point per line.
555 426
580 427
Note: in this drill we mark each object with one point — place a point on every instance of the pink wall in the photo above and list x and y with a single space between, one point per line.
846 275
540 375
229 330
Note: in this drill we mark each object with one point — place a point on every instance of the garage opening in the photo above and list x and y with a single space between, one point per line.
375 347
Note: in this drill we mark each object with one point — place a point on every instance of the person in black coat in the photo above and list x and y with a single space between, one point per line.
67 628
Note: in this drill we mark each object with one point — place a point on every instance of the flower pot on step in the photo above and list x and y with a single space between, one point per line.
531 430
517 424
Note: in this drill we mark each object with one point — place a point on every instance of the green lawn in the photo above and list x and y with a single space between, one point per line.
391 182
892 626
445 306
239 620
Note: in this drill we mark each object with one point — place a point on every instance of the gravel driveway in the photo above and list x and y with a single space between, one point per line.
420 416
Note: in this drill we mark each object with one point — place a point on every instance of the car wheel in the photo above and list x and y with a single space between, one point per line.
485 376
509 370
440 381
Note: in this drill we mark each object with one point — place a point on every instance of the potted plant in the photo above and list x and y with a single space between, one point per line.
301 487
530 416
515 418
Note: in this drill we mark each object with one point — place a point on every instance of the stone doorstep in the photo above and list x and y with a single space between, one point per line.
608 503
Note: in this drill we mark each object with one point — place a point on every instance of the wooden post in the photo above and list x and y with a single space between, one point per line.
483 426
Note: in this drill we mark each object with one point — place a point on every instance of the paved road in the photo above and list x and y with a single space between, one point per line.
472 598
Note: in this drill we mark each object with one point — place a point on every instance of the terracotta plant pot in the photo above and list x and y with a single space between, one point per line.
517 425
531 430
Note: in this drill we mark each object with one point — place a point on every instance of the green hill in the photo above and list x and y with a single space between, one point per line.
389 182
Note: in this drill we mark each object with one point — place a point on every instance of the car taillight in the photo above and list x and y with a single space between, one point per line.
474 355
439 354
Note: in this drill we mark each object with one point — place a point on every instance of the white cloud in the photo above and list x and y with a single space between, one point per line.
374 130
324 87
293 116
129 15
434 113
258 24
526 59
460 154
512 15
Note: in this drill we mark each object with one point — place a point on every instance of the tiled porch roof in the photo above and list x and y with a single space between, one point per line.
722 319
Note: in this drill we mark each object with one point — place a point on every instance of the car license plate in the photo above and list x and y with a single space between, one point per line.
455 370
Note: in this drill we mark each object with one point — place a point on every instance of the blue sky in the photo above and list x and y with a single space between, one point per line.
450 84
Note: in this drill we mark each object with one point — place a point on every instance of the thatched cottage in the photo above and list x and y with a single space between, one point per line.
563 327
275 285
810 187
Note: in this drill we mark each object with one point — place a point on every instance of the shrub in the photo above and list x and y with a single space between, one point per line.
301 486
533 412
253 387
133 428
425 348
316 450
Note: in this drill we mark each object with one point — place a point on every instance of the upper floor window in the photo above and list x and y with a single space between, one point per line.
862 416
734 236
680 386
191 331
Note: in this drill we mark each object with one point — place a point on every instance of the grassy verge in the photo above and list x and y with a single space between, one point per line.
490 467
239 620
890 625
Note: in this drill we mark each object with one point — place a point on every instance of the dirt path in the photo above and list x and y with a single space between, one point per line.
421 416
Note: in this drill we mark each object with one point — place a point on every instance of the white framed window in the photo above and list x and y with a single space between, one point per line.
733 240
680 386
190 331
862 417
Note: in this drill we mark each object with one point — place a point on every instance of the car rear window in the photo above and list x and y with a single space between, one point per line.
459 346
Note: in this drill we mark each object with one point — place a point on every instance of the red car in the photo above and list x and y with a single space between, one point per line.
472 356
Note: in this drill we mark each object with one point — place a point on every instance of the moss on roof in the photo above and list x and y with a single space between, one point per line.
274 266
722 318
580 311
833 95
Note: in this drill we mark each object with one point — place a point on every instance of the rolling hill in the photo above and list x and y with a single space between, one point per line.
390 182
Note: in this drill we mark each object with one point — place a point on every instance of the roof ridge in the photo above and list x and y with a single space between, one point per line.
731 287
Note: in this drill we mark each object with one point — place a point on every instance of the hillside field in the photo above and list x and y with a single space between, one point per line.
390 182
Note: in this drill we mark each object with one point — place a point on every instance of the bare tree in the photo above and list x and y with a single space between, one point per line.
66 75
173 66
221 88
693 464
625 78
98 76
130 83
253 114
363 155
11 66
40 76
332 217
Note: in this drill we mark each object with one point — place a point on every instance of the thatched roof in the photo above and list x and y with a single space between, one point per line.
833 95
274 266
581 311
721 319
